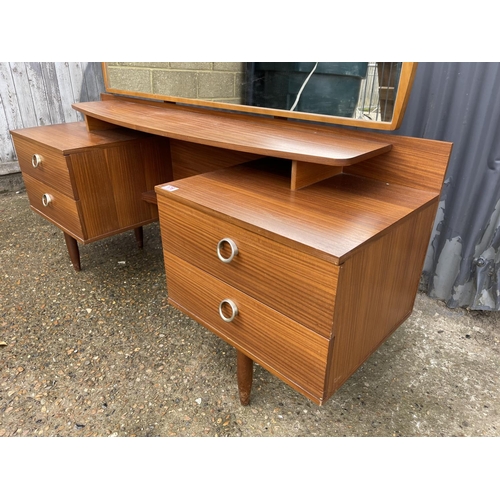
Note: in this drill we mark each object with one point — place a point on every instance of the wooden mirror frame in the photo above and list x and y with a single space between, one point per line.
408 71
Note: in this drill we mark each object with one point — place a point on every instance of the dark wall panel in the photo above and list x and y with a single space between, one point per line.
460 102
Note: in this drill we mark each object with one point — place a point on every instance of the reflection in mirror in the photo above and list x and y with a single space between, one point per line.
361 90
366 94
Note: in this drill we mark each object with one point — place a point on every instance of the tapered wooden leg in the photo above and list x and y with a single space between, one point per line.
139 236
74 253
245 377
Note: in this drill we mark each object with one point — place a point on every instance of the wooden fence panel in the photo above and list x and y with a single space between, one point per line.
41 93
37 87
6 148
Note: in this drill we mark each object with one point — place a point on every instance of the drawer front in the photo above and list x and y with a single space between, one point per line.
52 167
287 349
295 284
59 209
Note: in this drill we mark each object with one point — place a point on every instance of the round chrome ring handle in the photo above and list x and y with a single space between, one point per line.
232 245
46 200
36 160
234 310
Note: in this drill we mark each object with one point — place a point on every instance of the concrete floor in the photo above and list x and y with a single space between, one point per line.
101 353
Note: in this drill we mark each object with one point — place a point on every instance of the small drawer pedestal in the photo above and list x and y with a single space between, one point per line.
90 184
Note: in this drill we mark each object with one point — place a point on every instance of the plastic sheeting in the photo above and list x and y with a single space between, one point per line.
460 102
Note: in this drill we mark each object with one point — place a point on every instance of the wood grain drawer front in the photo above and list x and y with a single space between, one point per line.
58 208
52 166
297 285
292 352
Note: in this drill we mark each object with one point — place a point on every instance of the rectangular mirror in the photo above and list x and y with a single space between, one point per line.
361 94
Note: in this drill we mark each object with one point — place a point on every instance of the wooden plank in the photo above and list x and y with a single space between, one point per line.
9 97
23 93
7 151
80 94
66 92
238 132
305 174
38 93
9 110
93 80
53 95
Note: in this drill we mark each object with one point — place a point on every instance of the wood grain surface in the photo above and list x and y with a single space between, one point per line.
376 292
305 174
355 300
331 238
66 138
53 169
111 182
262 267
63 211
329 220
292 352
243 133
105 172
192 159
412 162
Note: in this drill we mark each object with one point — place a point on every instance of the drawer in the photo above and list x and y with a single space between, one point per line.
61 210
297 285
292 352
52 167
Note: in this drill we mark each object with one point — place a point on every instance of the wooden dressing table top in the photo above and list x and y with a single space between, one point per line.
330 219
268 137
67 138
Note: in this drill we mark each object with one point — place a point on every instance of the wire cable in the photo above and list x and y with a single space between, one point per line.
302 88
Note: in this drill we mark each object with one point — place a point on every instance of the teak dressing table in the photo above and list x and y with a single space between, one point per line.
301 245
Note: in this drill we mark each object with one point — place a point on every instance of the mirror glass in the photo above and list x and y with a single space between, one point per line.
365 94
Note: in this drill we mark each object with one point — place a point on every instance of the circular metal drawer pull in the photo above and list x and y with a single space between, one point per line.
234 310
46 200
234 250
36 160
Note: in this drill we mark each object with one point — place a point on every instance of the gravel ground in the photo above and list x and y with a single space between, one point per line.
101 353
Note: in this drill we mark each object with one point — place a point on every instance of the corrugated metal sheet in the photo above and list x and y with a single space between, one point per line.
460 102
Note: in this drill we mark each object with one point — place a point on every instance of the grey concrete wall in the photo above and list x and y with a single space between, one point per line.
211 81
